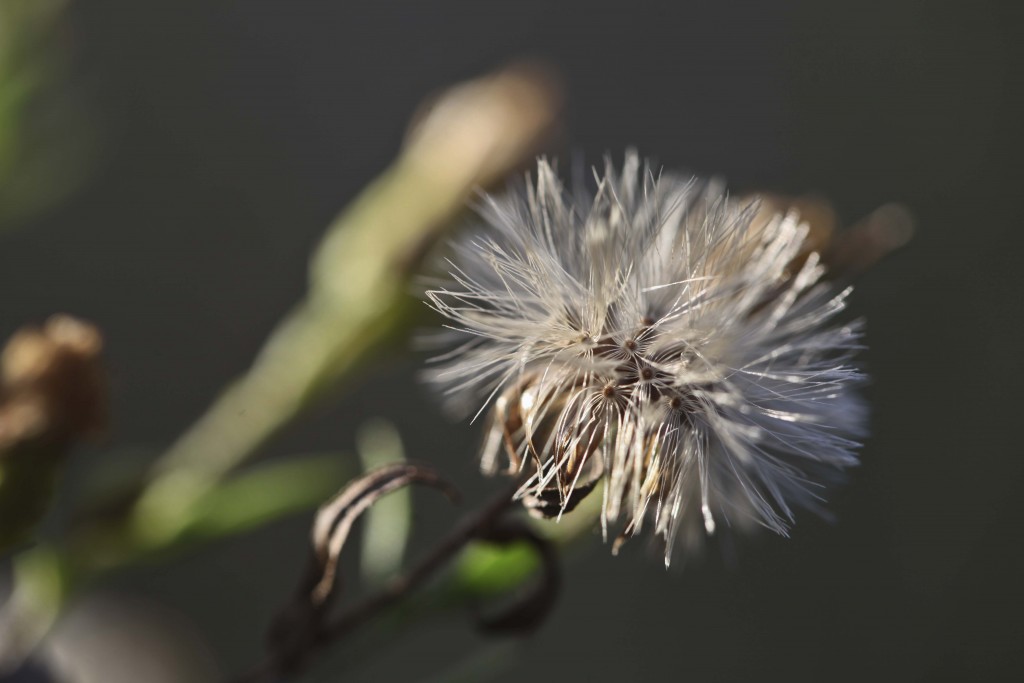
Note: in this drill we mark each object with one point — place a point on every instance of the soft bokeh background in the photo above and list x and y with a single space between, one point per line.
230 133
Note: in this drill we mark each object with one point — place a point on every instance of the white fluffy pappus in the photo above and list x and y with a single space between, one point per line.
658 336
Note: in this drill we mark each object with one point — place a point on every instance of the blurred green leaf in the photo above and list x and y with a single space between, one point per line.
263 494
486 569
386 525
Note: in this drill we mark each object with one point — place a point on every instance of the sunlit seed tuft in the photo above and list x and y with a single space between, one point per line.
659 336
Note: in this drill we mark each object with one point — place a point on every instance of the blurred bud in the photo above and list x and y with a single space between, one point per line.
817 213
474 133
844 251
52 391
468 136
859 247
51 384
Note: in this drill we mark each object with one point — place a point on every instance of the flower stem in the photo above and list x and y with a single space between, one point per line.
393 592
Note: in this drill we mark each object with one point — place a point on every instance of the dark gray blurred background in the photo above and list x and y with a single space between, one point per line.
232 132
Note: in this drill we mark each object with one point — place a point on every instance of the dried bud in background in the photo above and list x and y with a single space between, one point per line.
51 384
845 251
52 391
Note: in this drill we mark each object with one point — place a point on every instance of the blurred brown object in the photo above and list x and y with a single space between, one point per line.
52 391
475 133
52 388
845 252
863 244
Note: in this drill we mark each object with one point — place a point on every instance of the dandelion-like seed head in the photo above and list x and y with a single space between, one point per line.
658 336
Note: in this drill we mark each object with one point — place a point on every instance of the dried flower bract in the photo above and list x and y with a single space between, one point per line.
657 335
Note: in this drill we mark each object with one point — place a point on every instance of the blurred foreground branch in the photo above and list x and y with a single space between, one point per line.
475 134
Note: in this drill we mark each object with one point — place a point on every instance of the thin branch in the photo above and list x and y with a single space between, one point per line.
278 664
